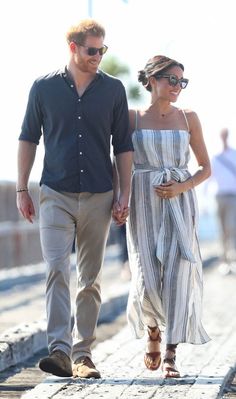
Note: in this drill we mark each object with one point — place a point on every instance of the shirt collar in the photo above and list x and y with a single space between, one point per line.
66 74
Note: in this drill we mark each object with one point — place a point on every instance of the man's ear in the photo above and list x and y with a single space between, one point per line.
72 46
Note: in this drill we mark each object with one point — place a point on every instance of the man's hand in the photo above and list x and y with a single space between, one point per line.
119 213
25 205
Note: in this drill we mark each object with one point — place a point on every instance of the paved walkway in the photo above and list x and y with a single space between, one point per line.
22 306
23 290
204 368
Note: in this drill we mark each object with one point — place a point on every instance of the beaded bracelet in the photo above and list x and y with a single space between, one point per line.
20 190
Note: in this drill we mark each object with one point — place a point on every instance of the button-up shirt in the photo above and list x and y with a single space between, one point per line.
77 131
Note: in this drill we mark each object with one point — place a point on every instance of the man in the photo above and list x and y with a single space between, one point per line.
224 173
78 111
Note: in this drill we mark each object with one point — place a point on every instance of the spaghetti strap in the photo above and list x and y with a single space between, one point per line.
186 120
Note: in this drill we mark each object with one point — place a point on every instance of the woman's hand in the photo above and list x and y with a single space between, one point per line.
169 190
119 214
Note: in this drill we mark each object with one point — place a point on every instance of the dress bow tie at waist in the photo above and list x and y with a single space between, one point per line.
183 234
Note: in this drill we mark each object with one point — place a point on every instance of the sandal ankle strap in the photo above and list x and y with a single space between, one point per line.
169 360
152 330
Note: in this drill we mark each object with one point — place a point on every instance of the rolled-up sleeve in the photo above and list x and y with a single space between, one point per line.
121 138
31 129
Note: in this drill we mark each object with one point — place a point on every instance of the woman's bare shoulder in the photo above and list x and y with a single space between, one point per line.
190 113
193 121
132 119
132 113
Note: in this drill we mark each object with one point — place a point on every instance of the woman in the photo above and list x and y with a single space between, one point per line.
166 288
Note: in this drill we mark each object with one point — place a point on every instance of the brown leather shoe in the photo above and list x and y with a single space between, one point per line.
85 368
57 363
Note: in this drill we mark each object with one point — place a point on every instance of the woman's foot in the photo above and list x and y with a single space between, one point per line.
169 367
152 357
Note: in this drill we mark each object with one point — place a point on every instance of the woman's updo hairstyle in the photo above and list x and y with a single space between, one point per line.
159 63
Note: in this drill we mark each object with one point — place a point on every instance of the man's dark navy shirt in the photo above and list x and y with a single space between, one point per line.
77 131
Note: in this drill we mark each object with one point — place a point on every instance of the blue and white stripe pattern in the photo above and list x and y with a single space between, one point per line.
165 260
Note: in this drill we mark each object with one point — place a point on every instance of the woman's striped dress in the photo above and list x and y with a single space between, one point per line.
165 261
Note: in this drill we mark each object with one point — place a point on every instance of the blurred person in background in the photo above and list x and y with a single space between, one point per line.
78 110
224 174
164 254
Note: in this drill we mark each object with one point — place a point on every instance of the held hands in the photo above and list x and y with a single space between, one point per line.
25 205
169 189
120 212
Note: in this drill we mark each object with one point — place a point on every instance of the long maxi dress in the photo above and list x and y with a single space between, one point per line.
166 286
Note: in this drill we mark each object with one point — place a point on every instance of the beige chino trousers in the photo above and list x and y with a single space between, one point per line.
64 216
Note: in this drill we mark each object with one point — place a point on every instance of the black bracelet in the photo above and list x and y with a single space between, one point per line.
20 190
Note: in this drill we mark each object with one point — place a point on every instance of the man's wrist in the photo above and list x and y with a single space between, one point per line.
21 190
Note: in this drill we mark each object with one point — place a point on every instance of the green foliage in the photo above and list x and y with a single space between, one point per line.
134 92
112 65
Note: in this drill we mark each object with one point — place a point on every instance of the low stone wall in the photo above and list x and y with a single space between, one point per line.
8 209
19 244
19 240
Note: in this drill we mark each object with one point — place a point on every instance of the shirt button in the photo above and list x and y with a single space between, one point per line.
79 117
71 85
80 135
80 153
79 99
81 170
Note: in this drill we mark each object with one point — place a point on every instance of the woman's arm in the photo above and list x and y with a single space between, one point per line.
197 143
198 146
122 166
132 122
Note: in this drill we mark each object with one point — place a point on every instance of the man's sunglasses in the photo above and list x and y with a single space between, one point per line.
173 80
94 50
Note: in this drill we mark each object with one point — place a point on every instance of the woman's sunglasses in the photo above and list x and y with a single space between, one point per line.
173 80
91 51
